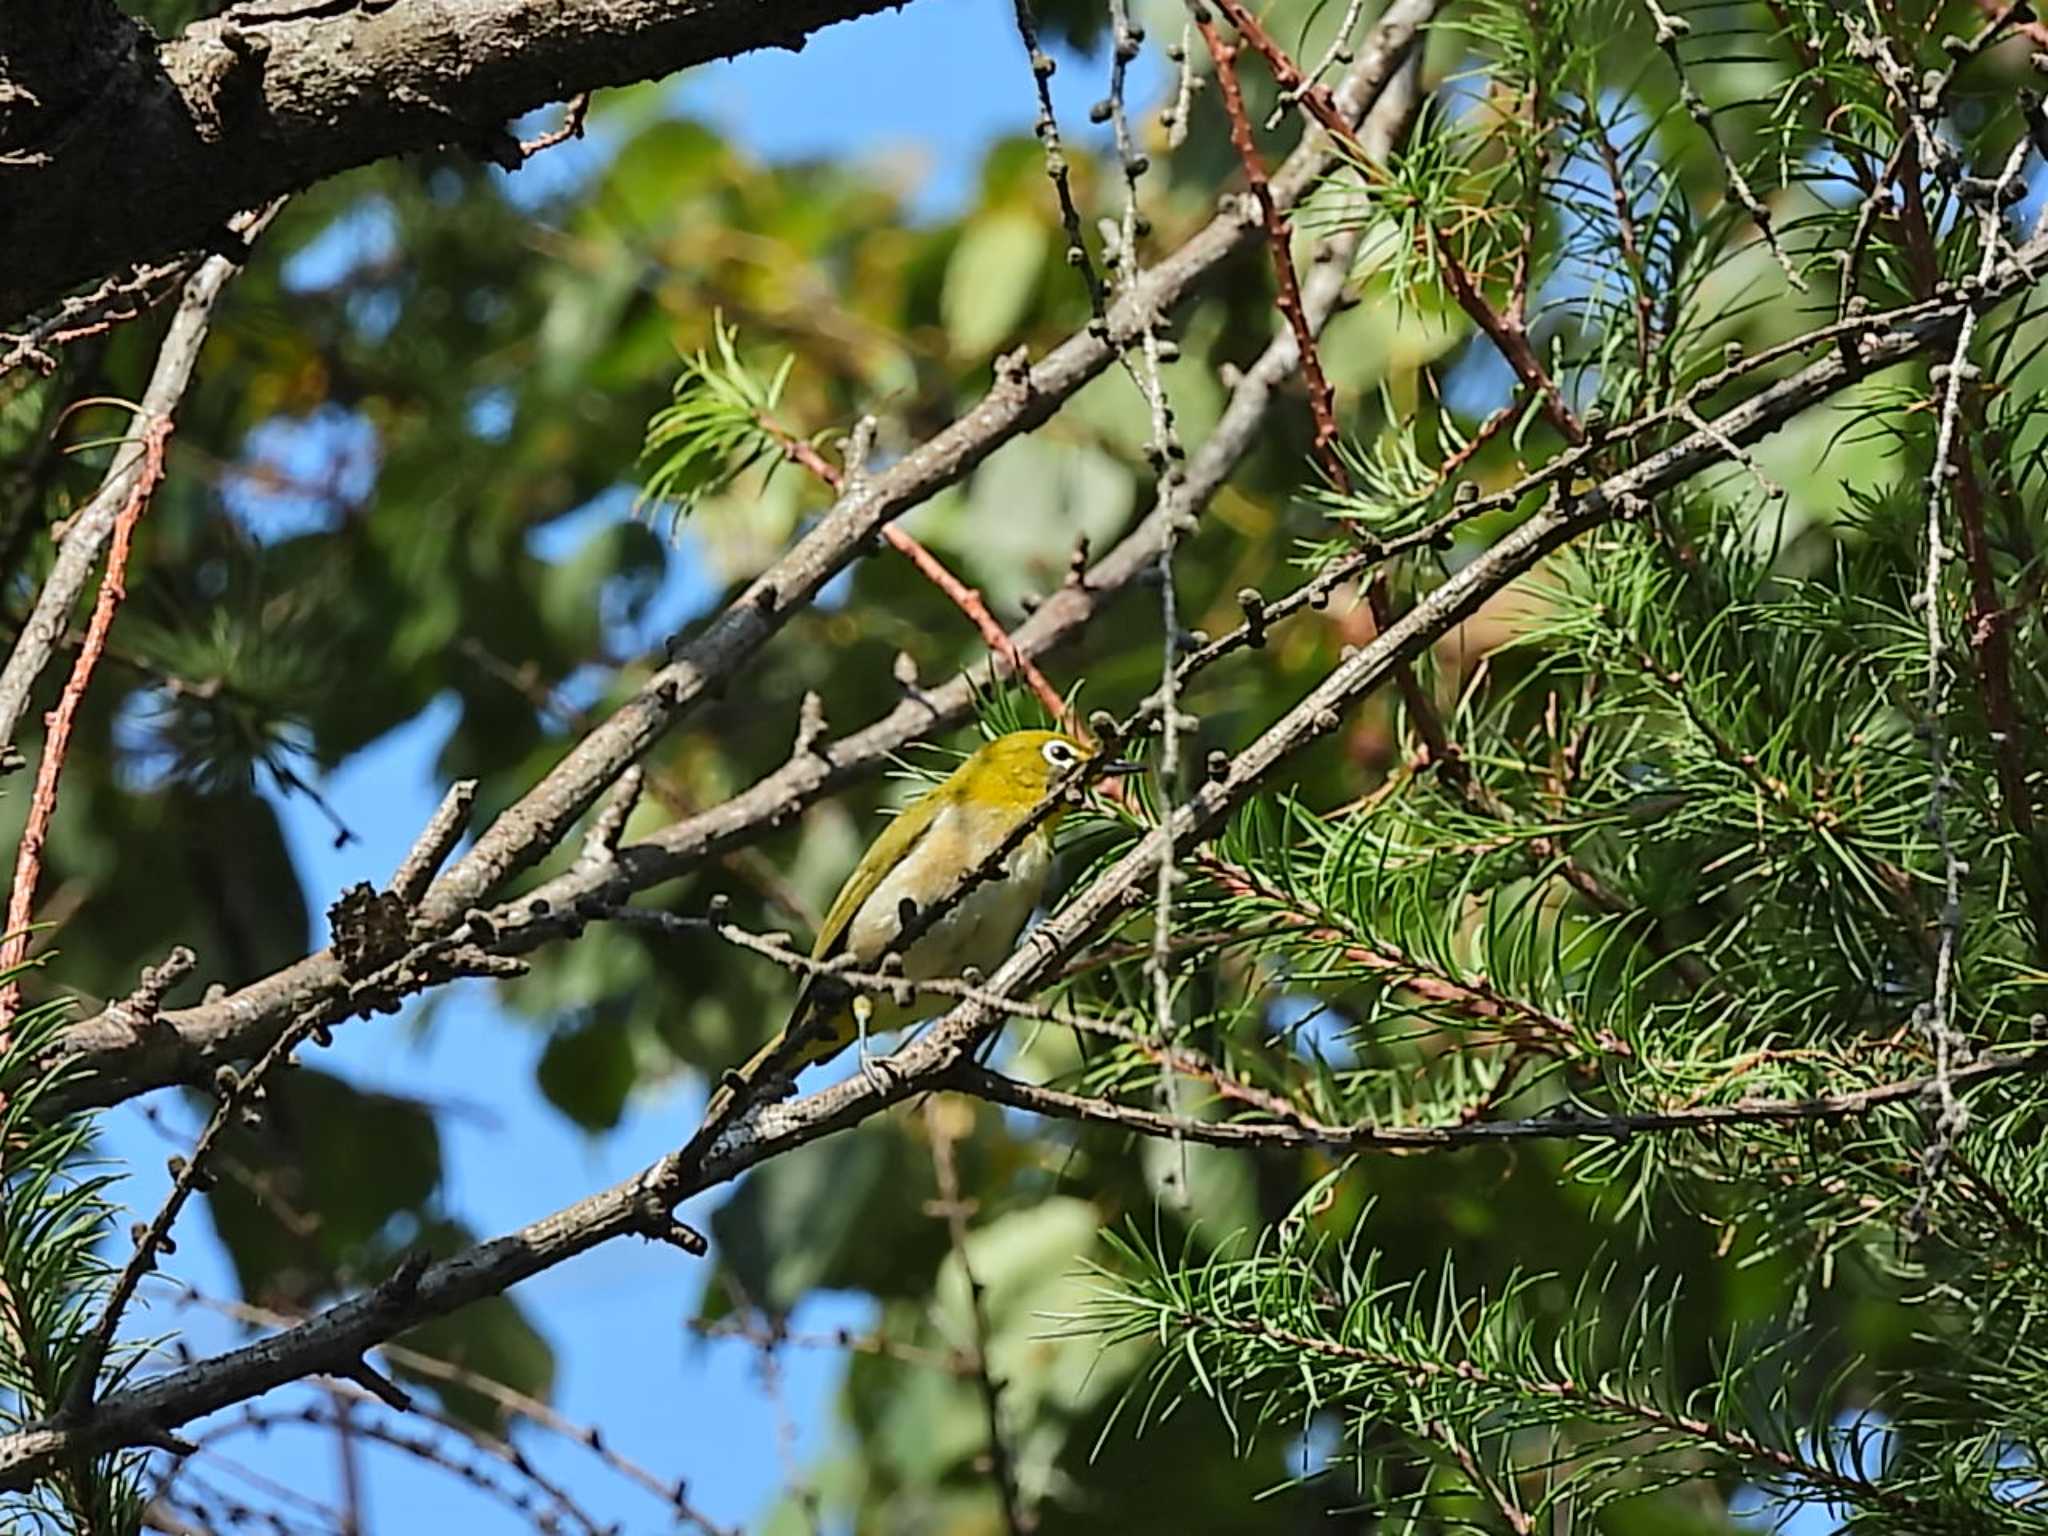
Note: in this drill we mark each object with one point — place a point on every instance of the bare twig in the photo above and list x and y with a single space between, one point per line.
1017 1519
1670 30
1047 126
436 841
434 1448
28 857
79 553
120 298
574 114
1571 1125
969 601
1501 1497
1936 1016
239 1097
1020 400
670 1491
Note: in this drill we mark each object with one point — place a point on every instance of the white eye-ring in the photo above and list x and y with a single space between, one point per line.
1059 754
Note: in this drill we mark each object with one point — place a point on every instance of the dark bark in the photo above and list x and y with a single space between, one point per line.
117 148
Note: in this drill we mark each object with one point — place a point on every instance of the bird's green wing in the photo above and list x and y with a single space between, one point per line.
884 854
902 834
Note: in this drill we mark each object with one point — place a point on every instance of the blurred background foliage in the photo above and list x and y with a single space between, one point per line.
405 479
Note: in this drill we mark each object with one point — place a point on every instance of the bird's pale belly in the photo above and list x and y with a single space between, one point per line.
980 931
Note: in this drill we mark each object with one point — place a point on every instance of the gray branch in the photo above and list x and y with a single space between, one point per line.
119 148
78 554
1569 1125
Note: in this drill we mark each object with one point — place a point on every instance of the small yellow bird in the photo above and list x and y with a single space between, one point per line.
944 833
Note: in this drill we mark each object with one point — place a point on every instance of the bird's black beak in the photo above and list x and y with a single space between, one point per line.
1121 767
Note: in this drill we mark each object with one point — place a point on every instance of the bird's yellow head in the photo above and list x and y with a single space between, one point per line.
1014 772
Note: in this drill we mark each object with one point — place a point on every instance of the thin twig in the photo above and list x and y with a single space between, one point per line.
574 114
1339 50
1057 169
90 529
1422 710
117 299
239 1097
1503 1500
672 1492
1670 30
28 857
1936 1016
967 599
1321 399
1017 1520
1510 339
1570 1124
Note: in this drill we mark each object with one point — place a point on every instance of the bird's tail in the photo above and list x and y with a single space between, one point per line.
820 1044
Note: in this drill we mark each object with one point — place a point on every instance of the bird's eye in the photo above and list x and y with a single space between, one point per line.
1059 754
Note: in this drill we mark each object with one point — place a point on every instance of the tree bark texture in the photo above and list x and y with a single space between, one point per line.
117 147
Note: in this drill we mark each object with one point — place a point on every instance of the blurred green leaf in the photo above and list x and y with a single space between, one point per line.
991 278
844 1215
588 1070
319 1182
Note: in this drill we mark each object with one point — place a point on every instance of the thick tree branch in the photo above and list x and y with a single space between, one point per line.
117 148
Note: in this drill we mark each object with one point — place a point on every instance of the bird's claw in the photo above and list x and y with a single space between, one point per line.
879 1075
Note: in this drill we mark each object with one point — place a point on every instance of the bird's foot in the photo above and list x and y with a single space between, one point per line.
879 1075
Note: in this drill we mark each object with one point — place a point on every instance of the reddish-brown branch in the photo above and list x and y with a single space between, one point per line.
1287 74
967 599
1018 1520
1489 429
1505 334
1508 338
1515 1019
28 859
1321 399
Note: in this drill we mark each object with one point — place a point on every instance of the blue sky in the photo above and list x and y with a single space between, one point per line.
681 1407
